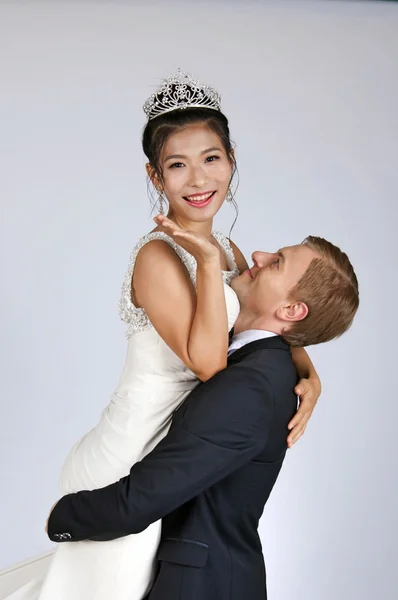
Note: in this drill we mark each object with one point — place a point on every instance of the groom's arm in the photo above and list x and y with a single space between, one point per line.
225 424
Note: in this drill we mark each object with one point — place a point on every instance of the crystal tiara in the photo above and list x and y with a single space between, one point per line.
179 91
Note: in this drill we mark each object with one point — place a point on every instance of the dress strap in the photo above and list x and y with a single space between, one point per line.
229 253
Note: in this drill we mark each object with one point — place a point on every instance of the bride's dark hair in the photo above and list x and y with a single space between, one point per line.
158 130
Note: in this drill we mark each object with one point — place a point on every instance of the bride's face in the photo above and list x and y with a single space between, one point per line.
196 173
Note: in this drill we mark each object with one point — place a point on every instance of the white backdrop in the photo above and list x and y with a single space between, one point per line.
311 90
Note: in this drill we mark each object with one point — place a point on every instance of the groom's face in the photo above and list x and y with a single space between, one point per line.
265 287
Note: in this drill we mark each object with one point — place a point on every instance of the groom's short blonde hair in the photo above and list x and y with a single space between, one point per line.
329 288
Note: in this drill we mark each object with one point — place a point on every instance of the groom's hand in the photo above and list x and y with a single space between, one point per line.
52 508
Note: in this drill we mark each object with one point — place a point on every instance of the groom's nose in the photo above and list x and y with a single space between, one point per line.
262 259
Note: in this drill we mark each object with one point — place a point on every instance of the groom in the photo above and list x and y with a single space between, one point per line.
211 476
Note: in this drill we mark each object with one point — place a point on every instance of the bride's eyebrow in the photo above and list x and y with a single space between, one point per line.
174 156
182 156
214 149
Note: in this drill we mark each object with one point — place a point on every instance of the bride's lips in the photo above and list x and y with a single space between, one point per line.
199 200
249 272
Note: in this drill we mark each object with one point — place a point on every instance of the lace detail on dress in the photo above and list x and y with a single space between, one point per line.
229 253
137 318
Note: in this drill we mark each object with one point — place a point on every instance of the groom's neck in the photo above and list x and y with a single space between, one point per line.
246 321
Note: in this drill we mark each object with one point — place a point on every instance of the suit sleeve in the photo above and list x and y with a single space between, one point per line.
224 424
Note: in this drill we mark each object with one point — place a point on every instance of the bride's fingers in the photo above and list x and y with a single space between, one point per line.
166 222
175 231
187 237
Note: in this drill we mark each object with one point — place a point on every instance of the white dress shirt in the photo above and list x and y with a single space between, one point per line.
245 337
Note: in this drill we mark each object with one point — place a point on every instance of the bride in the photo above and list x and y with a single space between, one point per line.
179 308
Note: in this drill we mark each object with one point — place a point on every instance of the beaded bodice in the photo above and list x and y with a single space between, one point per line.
137 318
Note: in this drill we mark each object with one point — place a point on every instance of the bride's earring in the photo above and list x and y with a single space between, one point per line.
160 200
230 196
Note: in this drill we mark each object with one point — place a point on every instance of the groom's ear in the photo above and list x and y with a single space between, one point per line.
293 312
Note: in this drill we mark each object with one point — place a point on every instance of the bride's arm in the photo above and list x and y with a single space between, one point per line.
193 324
308 388
304 366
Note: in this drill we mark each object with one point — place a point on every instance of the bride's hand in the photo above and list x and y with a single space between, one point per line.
195 243
309 391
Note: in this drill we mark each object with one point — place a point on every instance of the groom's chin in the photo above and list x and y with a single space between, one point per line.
238 285
235 283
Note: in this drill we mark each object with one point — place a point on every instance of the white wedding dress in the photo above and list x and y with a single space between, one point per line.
153 384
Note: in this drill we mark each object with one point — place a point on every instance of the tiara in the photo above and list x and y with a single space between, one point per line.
179 91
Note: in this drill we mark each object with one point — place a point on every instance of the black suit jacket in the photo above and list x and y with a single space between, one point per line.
209 480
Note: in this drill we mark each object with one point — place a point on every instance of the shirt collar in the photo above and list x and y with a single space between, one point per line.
245 337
